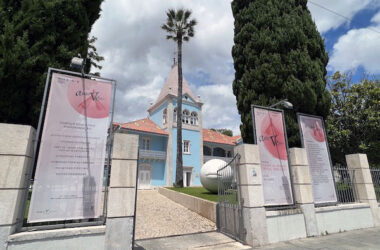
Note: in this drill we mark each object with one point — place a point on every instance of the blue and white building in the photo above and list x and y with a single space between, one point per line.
158 138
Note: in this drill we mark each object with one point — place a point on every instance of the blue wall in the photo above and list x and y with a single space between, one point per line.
158 171
189 160
156 115
158 143
191 108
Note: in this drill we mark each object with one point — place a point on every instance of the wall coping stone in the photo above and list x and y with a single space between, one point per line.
56 233
341 207
276 213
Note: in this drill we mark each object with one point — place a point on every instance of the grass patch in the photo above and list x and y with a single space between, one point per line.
199 192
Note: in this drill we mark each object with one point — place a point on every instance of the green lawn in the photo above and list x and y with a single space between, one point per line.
200 192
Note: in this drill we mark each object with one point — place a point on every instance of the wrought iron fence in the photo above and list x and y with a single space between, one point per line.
345 189
229 213
375 173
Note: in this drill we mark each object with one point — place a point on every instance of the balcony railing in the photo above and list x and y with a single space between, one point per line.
209 157
152 154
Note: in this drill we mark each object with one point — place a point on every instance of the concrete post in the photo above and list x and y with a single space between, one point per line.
362 182
251 189
16 152
122 192
303 190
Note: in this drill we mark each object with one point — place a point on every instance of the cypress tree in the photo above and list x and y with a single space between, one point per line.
278 54
35 35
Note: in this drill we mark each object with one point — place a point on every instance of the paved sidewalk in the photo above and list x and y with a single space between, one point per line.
198 241
158 216
367 239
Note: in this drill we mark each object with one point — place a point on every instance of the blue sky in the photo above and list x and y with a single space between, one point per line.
361 19
139 57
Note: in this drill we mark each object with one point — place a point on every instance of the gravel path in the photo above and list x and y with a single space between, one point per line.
158 216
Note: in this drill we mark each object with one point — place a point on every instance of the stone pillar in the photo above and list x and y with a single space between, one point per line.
303 190
252 195
362 183
16 152
122 192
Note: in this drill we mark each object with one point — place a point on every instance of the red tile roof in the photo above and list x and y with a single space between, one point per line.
216 137
143 125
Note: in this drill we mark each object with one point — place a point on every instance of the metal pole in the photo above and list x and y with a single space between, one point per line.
36 141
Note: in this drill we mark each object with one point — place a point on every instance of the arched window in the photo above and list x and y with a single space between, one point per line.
175 115
206 150
219 152
186 116
164 116
194 118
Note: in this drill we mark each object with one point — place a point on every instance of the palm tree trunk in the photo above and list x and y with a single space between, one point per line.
179 162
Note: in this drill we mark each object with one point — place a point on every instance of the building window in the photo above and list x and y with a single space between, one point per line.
164 116
186 116
146 143
186 147
220 152
175 114
206 150
194 118
229 154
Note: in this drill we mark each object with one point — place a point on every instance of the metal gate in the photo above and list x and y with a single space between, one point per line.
229 212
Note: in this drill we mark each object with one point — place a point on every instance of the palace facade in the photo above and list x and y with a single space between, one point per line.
158 138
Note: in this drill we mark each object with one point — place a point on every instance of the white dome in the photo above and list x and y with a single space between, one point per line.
209 178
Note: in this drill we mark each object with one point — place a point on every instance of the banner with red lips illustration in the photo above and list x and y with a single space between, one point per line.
70 164
271 140
314 141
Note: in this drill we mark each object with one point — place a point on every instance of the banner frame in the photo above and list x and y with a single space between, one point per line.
36 148
298 114
275 207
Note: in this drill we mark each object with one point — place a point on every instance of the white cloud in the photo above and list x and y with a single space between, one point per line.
358 48
325 20
139 57
219 109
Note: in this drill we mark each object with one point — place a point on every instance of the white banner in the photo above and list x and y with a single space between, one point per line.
313 136
68 179
270 137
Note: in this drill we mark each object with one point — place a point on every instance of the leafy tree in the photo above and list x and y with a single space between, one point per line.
179 28
354 122
35 35
224 131
278 54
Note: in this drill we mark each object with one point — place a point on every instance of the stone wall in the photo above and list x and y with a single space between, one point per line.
16 151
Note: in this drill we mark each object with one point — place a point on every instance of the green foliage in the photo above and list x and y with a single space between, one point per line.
353 125
35 35
224 131
278 54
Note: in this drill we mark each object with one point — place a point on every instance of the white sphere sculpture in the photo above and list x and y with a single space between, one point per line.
209 178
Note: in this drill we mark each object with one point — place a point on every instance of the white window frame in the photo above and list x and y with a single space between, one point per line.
146 143
194 118
188 142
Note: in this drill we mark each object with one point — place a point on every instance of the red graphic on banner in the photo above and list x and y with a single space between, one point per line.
95 99
317 132
272 132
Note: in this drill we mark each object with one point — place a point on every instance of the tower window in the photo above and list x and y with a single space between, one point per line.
186 147
194 118
186 116
165 116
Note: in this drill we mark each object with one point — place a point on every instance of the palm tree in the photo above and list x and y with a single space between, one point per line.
179 29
